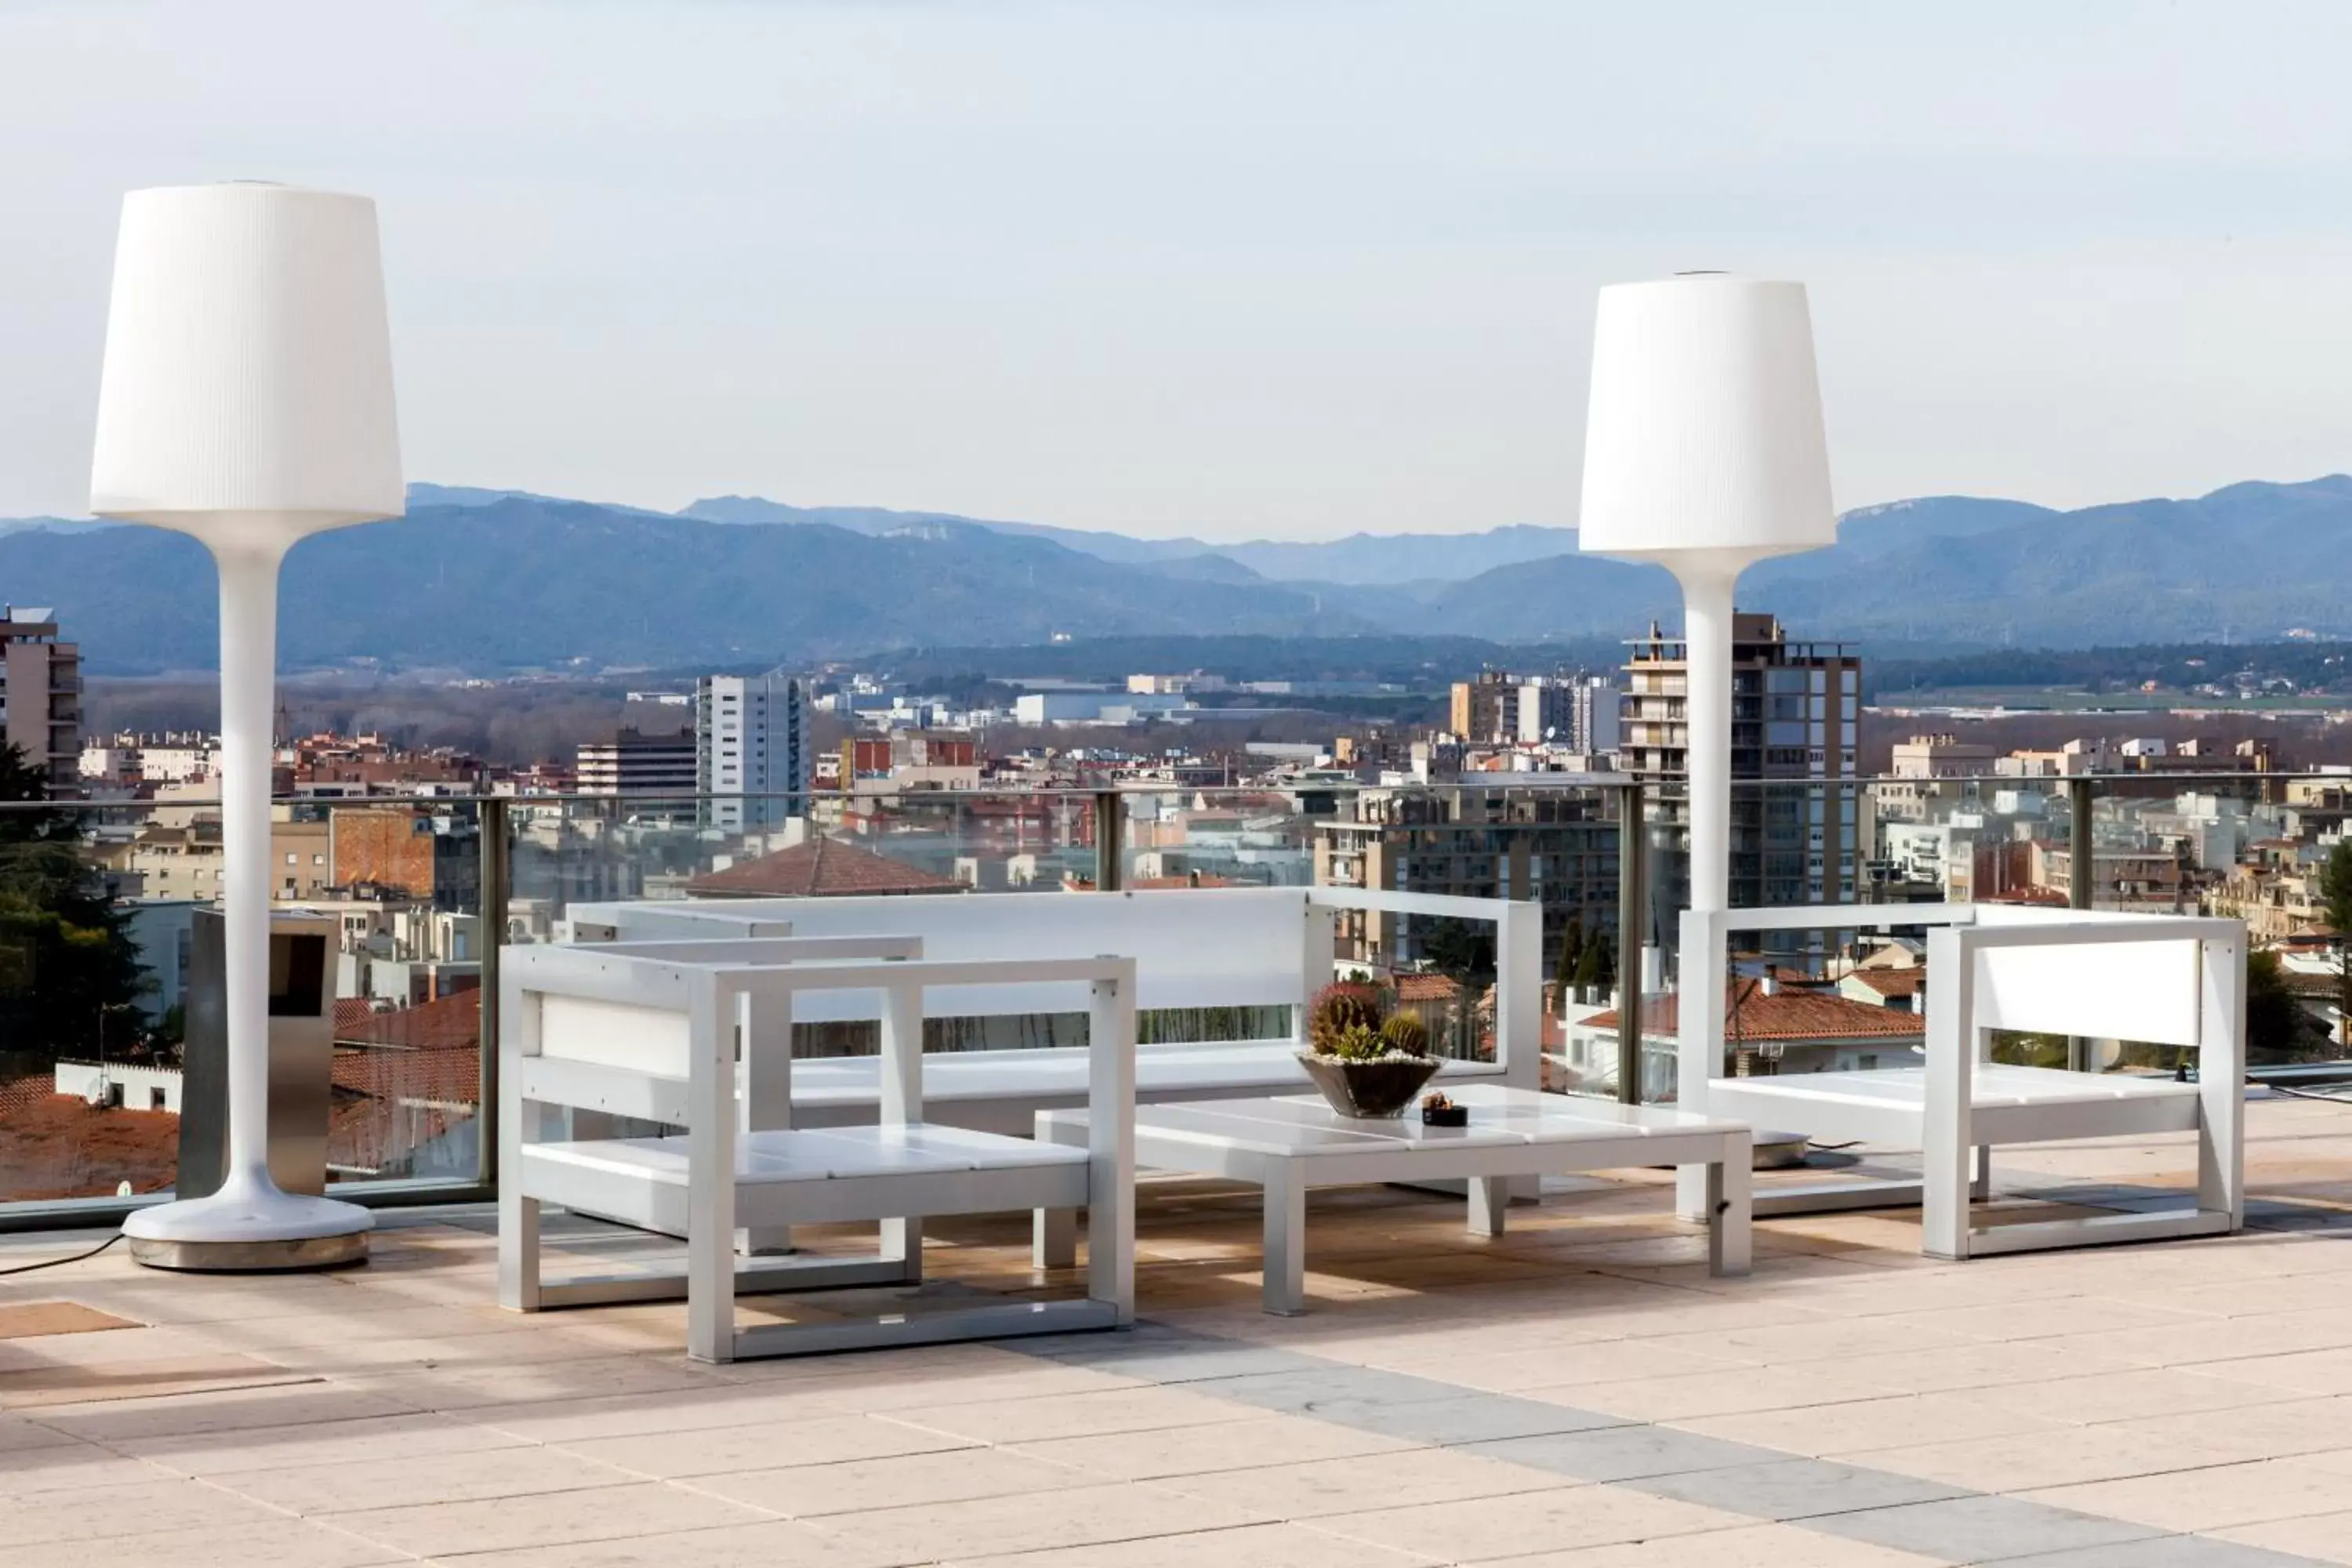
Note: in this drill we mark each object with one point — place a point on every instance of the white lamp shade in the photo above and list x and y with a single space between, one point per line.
1704 428
248 381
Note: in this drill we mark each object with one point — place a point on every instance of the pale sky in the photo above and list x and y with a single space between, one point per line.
1233 267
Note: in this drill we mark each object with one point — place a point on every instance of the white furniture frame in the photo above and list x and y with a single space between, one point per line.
686 1034
1193 947
2158 979
1288 1144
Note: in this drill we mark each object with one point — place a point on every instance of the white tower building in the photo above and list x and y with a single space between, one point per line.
752 755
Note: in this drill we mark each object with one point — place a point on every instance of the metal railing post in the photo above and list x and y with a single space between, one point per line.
497 879
1111 842
2082 869
1633 903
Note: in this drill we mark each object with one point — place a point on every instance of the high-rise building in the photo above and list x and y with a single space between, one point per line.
40 696
752 755
639 766
1596 723
1552 845
1485 711
1795 838
1578 711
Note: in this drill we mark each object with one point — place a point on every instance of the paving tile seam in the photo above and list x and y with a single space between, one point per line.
1133 1356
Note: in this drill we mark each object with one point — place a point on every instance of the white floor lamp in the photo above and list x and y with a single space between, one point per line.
246 399
1703 453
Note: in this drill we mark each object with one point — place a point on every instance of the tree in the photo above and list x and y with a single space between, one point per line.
2275 1019
2335 903
1598 968
1463 951
1571 952
66 958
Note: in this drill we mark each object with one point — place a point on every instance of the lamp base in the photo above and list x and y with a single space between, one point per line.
249 1229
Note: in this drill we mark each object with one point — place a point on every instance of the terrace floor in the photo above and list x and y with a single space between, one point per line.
1578 1393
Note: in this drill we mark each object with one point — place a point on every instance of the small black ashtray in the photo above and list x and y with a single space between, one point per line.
1437 1111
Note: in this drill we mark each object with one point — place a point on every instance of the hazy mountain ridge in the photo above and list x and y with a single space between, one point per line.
521 584
484 580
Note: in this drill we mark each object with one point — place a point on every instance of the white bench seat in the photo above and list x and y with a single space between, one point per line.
1000 1092
796 1177
815 1156
2006 1104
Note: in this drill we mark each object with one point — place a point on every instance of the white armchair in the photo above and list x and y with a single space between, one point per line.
670 1033
2157 979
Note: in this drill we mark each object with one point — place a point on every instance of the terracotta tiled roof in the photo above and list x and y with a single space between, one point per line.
442 1076
1412 988
820 868
21 1094
1786 1015
446 1023
55 1146
350 1012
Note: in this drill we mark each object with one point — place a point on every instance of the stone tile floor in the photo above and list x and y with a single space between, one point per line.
1577 1394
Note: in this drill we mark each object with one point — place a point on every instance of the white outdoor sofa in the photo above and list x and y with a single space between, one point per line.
2154 979
679 1033
1221 947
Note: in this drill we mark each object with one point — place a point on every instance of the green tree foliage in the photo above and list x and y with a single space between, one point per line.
66 960
1597 967
2335 900
1461 949
1571 952
2276 1022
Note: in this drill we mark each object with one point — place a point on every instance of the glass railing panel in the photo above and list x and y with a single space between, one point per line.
91 1008
100 901
113 1039
402 880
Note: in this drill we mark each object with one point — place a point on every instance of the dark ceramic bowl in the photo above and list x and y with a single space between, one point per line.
1370 1091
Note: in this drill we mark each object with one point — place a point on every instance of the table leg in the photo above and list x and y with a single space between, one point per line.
1980 1185
1286 1243
1489 1196
902 1242
1056 1238
1730 1207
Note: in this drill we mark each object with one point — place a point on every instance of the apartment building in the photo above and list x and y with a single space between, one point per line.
752 755
2138 880
40 697
1595 715
1795 708
1941 757
1551 845
1576 713
908 760
633 765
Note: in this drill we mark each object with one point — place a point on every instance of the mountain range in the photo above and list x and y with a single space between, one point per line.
490 581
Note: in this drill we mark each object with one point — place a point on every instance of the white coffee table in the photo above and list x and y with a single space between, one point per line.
1286 1144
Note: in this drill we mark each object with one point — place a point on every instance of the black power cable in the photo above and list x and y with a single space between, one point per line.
60 1262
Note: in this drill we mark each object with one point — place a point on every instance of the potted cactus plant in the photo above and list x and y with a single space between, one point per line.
1368 1057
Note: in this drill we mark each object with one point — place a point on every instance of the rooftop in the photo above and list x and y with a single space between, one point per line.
818 869
1756 1014
1577 1394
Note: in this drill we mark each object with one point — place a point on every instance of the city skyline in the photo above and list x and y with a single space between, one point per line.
1284 283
